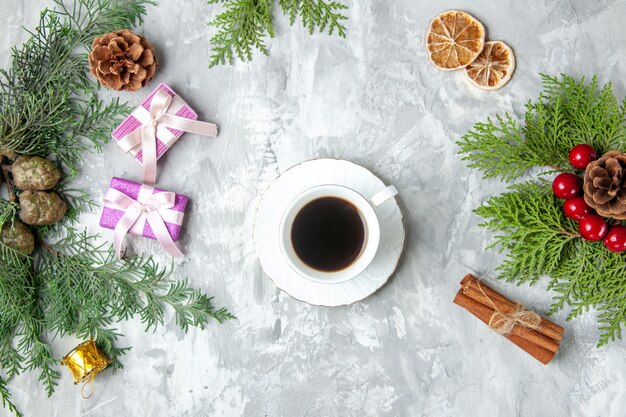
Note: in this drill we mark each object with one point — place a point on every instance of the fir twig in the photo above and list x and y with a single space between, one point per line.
6 398
244 24
316 14
568 112
43 109
241 27
77 200
85 288
49 107
530 226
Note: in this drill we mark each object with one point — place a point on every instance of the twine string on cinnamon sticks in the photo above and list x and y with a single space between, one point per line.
539 338
503 323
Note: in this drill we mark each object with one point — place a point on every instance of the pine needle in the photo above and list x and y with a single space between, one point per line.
567 112
244 25
84 288
71 285
241 28
528 220
316 14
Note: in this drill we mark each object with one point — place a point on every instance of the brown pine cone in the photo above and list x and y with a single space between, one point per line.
605 185
34 173
17 236
122 60
39 208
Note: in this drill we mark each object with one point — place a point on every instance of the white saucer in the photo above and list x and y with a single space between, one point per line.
290 184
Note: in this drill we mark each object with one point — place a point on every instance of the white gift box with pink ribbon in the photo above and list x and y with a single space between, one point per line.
153 127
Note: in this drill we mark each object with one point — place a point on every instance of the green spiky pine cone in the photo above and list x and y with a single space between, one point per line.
34 173
17 236
41 208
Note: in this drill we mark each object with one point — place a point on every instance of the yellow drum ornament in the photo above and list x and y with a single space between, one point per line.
85 361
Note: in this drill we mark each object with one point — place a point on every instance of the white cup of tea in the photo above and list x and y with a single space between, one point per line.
330 233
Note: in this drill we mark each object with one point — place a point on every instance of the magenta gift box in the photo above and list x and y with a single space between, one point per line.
131 123
111 215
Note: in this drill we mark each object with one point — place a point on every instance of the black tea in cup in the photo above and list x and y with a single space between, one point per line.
328 234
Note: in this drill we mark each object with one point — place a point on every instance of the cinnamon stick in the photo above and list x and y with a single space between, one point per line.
536 336
484 313
471 290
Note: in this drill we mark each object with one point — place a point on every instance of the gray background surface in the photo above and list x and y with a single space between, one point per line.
376 100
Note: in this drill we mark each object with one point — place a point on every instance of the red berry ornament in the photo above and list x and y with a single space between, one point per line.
575 208
615 240
581 155
566 185
592 227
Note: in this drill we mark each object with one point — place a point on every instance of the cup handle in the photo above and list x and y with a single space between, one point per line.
384 195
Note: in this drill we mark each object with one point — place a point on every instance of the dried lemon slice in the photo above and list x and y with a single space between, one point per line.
454 40
493 67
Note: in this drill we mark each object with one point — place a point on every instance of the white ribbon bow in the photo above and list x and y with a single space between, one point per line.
150 207
154 123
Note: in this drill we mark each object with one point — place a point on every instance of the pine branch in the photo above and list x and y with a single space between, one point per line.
242 27
84 288
528 220
91 18
244 24
92 123
42 107
78 201
6 398
37 352
591 113
193 308
539 240
593 277
49 107
316 14
567 113
491 146
15 294
532 229
8 210
21 321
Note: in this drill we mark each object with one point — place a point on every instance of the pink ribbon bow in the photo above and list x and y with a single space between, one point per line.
154 122
149 207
